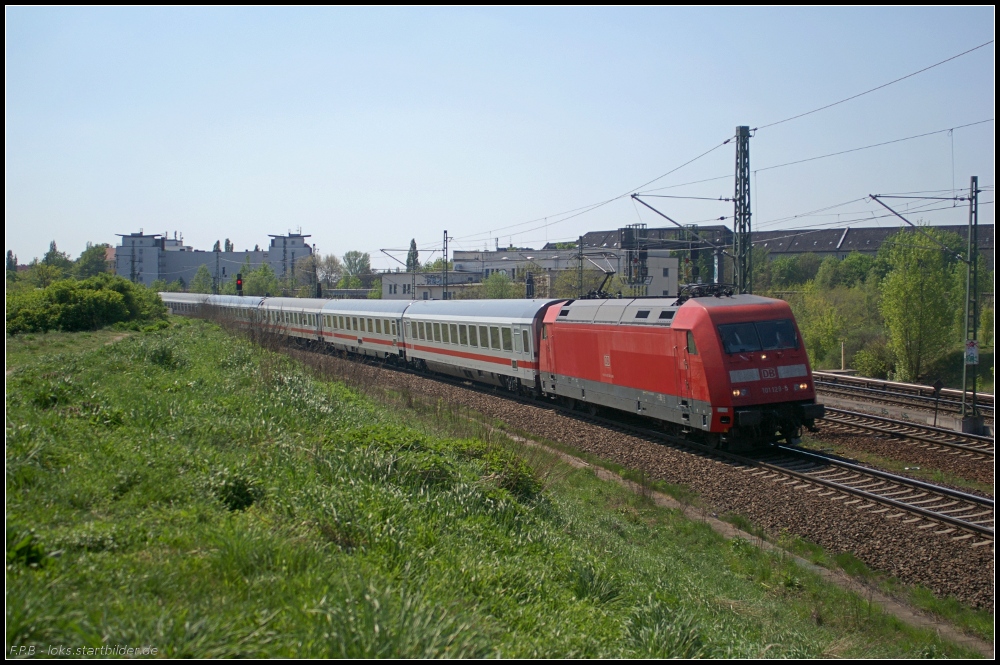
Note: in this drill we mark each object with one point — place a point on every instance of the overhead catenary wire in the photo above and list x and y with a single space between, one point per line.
576 212
559 218
873 145
879 87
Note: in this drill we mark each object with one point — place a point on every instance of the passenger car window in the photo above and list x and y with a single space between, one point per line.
473 338
524 341
484 337
445 337
505 334
463 335
437 332
378 326
454 333
495 337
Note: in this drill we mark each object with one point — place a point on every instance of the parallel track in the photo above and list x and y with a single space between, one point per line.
929 505
905 394
973 444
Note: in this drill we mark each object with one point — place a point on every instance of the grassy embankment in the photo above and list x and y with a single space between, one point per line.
187 490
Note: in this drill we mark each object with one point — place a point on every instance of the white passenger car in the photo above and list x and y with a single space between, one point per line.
491 341
366 327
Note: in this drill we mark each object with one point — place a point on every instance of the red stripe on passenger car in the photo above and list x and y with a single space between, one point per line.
525 364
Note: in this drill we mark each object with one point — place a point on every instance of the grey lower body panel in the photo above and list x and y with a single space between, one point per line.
680 410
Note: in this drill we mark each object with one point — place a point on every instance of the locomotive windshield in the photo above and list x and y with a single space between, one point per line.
776 335
760 336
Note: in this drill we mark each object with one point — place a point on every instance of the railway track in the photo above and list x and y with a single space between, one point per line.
923 505
904 394
956 442
920 504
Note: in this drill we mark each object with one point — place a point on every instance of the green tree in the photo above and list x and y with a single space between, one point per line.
852 270
162 285
217 247
761 267
202 280
11 265
349 282
784 272
821 324
357 264
918 301
306 276
806 267
413 257
498 285
437 265
91 262
330 270
986 327
376 292
58 259
261 281
229 246
42 275
566 283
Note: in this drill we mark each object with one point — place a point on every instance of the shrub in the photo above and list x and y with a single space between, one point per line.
874 361
72 306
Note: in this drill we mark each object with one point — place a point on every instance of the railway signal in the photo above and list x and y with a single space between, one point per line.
239 284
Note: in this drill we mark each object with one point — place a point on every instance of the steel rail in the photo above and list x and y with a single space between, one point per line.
898 480
923 432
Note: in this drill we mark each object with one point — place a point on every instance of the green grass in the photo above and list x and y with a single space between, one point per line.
185 490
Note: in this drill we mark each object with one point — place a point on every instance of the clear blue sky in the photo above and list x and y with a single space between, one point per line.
368 127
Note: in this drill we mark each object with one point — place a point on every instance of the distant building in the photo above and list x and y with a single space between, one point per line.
472 267
661 277
426 285
788 242
866 240
145 258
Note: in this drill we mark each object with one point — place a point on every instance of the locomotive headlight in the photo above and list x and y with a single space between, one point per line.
800 386
739 392
763 356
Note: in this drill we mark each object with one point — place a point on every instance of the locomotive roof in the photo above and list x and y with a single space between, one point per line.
506 309
649 311
737 300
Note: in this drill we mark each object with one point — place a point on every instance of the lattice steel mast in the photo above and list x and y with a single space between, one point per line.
742 247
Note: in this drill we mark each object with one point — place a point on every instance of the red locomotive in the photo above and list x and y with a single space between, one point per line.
725 370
